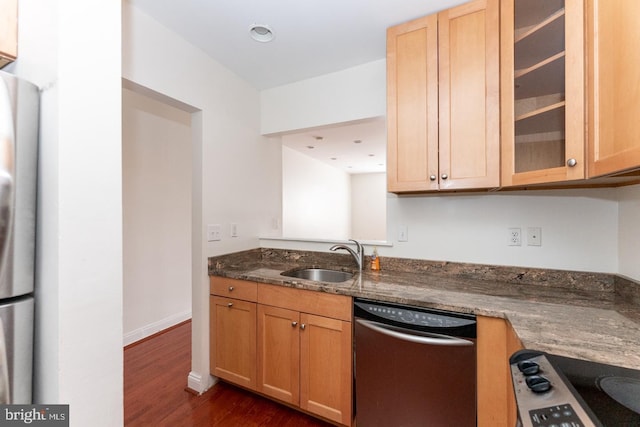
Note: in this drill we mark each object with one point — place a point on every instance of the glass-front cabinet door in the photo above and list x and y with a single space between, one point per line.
542 90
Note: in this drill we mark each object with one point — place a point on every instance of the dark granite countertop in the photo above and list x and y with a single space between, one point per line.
589 316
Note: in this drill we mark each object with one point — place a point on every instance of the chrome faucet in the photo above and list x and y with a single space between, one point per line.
358 254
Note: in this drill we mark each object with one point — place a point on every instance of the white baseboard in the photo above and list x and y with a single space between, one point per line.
152 328
200 383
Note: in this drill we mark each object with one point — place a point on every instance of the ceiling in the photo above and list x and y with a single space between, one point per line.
312 38
353 148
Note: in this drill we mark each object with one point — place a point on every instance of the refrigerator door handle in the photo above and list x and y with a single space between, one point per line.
5 395
7 173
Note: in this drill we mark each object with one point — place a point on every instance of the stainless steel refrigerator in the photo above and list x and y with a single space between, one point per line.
19 110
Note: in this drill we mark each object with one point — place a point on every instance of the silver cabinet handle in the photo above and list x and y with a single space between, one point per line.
230 288
572 162
294 324
432 177
424 338
444 176
230 304
302 326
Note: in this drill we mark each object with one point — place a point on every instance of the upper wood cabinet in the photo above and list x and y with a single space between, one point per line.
443 100
8 31
542 91
613 81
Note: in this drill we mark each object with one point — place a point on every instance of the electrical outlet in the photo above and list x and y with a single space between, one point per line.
534 236
515 237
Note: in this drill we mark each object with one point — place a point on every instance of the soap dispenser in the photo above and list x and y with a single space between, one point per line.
375 260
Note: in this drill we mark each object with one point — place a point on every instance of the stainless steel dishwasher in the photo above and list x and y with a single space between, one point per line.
413 366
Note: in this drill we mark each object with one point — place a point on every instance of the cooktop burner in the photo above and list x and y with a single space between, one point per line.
625 391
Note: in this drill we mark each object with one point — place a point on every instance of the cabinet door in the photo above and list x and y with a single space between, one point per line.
469 64
496 342
279 353
326 367
233 340
412 106
542 91
613 85
8 31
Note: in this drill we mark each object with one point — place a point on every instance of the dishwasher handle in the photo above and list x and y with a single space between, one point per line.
423 338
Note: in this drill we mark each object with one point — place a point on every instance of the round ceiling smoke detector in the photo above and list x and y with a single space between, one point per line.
261 33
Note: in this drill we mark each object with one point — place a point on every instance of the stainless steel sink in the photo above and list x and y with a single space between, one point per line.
319 275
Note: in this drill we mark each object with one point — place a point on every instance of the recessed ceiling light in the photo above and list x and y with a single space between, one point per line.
310 147
261 33
357 141
319 138
333 158
371 155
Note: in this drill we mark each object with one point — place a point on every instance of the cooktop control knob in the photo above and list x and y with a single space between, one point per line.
538 383
528 367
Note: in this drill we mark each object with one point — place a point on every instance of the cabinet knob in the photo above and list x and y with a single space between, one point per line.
444 176
230 304
294 324
230 288
302 326
432 177
571 162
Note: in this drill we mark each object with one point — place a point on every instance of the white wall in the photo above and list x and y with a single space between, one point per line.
349 95
316 198
236 172
156 194
71 49
580 228
629 231
369 206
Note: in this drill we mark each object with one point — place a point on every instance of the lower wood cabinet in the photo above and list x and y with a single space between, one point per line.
232 326
288 344
326 375
495 343
279 355
233 347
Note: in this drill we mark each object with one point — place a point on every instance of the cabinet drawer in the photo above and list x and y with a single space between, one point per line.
312 302
234 288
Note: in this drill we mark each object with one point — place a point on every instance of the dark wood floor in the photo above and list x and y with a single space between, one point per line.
155 378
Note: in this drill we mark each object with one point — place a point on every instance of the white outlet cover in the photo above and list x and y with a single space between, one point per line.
514 236
534 236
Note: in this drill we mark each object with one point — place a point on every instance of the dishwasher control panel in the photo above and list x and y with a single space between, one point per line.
416 316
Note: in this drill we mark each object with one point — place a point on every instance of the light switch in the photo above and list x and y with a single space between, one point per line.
214 232
403 233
